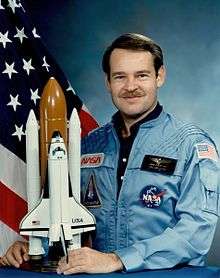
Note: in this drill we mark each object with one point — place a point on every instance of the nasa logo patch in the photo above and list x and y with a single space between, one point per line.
151 196
92 160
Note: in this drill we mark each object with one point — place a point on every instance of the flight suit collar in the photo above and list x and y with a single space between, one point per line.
118 121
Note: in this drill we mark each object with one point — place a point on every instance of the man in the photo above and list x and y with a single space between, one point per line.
151 181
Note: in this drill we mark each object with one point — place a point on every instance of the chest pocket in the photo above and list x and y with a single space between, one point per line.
97 180
95 164
155 171
158 164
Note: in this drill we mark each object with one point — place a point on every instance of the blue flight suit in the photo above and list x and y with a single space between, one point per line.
167 209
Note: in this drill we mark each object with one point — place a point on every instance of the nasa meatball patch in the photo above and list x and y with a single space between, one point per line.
151 196
92 160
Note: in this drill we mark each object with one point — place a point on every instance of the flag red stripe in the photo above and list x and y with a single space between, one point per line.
88 123
12 207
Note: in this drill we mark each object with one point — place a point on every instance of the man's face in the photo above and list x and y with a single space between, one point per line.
133 82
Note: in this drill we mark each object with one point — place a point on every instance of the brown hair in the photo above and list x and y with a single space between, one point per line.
132 41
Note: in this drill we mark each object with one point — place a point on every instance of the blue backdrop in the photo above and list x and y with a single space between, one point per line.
77 32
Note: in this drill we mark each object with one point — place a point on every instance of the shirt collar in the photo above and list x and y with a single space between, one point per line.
118 121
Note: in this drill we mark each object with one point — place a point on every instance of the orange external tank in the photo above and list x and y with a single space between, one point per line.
53 117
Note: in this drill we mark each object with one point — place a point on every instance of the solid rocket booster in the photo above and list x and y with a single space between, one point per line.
74 165
59 216
33 176
74 151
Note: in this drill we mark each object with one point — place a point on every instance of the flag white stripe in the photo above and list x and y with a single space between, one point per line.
8 236
86 109
13 172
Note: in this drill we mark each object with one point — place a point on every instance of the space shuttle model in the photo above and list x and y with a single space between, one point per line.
53 176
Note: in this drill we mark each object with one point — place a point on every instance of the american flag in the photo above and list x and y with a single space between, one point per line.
25 67
205 150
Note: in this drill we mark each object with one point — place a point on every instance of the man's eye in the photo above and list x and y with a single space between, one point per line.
119 77
142 76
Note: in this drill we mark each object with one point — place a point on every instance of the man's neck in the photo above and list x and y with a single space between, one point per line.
130 121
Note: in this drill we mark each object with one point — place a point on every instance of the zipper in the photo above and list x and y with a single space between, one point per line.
116 187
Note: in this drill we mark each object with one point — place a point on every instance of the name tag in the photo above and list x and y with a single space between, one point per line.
92 160
159 164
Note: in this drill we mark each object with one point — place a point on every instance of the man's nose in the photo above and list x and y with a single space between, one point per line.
131 84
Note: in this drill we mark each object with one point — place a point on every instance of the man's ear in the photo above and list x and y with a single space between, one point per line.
107 83
161 76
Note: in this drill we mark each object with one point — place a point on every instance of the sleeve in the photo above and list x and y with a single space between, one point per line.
197 212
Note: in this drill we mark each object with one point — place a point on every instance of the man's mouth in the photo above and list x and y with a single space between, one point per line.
132 95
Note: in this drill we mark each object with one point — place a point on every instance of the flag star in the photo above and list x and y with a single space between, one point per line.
20 6
70 88
45 64
14 102
13 4
1 7
27 66
34 96
4 39
34 32
20 34
9 69
19 132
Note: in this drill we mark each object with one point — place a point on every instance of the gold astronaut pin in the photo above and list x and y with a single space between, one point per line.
159 164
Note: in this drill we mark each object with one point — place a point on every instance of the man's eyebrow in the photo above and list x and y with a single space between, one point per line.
122 72
117 73
143 71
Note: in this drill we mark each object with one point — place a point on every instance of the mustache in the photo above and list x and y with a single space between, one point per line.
130 94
